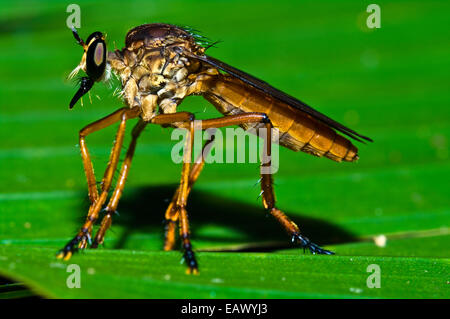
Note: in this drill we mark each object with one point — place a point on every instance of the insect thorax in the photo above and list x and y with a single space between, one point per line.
154 73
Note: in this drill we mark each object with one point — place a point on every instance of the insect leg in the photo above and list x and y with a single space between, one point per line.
114 201
97 200
86 158
172 215
187 120
268 195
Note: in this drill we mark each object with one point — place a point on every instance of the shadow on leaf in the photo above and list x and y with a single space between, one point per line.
143 210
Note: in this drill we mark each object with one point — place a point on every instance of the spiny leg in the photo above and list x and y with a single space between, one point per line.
97 200
268 197
266 177
189 256
171 216
179 208
187 119
114 200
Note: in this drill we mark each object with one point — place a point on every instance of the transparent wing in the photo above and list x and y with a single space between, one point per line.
283 97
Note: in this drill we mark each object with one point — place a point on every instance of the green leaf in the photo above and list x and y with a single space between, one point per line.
151 274
390 84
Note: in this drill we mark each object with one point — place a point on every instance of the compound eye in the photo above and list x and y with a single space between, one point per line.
96 59
99 53
94 36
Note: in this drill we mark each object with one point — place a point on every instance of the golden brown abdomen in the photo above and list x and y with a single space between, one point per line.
298 130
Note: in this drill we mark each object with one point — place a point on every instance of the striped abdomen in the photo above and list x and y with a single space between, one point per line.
298 130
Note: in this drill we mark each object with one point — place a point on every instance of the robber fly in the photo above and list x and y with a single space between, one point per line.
159 66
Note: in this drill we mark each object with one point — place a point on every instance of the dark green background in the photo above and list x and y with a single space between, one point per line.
391 84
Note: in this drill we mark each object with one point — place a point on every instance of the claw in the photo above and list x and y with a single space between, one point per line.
313 248
65 253
73 245
192 271
67 256
96 242
189 257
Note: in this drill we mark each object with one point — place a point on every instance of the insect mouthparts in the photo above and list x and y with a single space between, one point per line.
85 85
